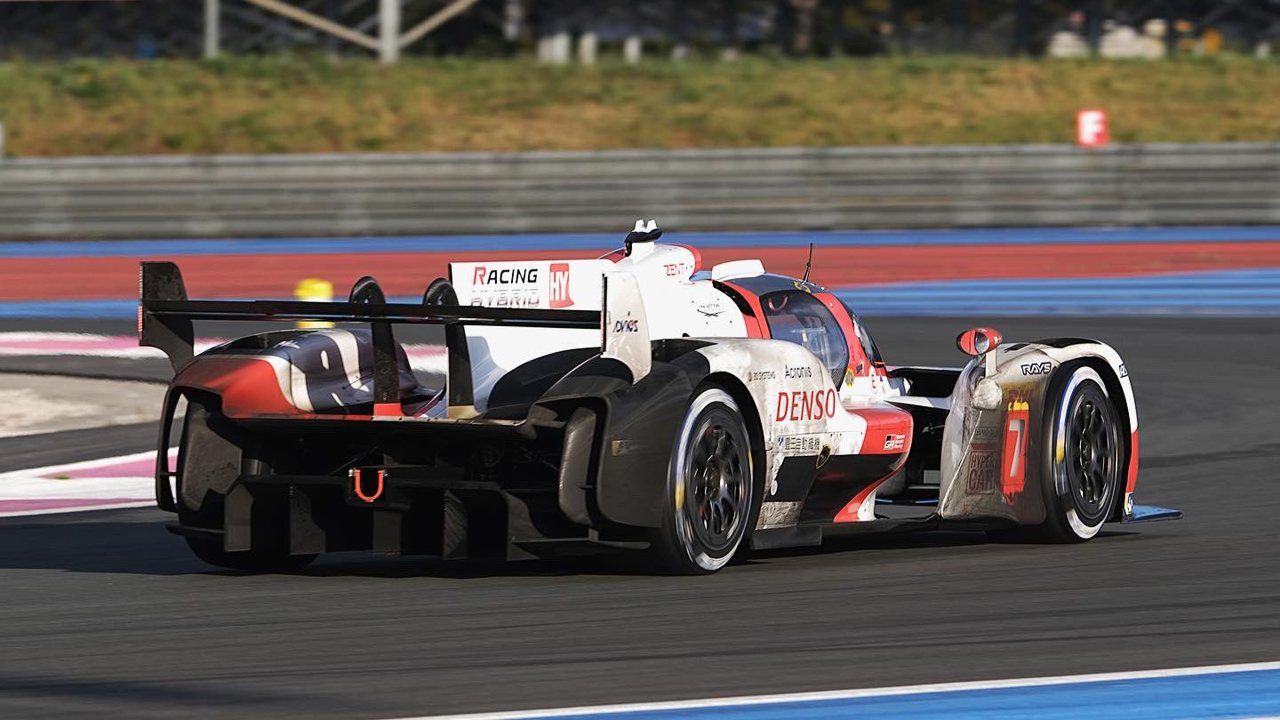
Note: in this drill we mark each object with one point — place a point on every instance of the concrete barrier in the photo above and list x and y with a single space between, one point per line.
752 189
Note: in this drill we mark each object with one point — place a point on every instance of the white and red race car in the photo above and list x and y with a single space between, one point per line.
637 399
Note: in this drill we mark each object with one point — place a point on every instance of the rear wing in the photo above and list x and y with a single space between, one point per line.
166 315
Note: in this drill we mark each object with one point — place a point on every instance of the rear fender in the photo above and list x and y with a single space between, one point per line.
636 425
633 431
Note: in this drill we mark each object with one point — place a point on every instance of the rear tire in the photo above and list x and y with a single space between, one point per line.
1083 457
212 459
713 490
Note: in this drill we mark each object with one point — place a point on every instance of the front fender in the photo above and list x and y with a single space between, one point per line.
988 467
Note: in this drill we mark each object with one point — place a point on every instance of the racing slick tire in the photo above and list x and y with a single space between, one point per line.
209 444
1083 456
712 500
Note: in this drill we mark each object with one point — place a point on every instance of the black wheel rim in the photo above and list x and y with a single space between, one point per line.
717 489
1092 454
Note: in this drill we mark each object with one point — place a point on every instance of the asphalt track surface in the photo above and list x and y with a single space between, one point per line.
106 614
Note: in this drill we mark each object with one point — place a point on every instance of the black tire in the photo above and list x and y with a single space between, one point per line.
212 460
1083 458
255 560
713 489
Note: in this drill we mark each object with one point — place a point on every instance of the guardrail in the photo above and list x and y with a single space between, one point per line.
754 189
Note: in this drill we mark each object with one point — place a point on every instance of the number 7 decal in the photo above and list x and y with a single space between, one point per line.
1014 472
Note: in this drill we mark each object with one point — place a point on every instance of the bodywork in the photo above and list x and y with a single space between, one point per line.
567 381
987 462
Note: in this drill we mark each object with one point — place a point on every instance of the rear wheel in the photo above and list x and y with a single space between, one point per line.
712 498
1083 457
256 560
212 459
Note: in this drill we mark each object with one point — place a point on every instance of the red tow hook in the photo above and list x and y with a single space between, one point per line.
357 486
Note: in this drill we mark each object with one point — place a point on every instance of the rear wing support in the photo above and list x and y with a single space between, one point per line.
166 315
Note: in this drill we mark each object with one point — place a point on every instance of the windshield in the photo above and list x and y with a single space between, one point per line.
798 317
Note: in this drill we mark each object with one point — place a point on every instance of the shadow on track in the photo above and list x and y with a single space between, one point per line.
134 542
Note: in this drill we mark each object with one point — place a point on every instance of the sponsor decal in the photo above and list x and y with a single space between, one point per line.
1124 370
981 479
710 309
677 270
1040 368
793 373
507 299
560 285
759 375
506 287
983 432
1014 469
626 326
895 442
800 444
1128 503
505 276
806 405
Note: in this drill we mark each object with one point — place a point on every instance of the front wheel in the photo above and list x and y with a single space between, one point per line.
712 499
1083 457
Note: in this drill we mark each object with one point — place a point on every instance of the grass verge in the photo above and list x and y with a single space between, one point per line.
312 104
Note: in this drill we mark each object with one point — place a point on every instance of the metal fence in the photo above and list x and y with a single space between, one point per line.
788 189
564 29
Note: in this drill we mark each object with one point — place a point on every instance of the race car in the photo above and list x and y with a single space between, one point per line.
636 400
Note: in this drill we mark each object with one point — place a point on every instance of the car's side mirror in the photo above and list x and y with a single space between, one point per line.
978 341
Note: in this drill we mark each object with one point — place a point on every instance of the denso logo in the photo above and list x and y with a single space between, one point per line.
560 285
505 276
1040 368
806 405
627 326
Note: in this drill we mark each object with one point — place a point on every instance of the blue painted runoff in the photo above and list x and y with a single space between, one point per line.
1246 293
1210 696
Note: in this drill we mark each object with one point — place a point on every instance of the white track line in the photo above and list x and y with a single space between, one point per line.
43 483
80 508
748 700
83 465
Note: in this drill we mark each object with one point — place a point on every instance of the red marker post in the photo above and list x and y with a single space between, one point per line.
1091 129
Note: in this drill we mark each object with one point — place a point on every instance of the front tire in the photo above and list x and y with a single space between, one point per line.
713 495
1083 457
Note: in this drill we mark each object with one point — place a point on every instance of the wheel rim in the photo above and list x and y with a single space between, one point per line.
1092 458
717 486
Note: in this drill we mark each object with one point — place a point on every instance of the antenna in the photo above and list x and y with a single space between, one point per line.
808 264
